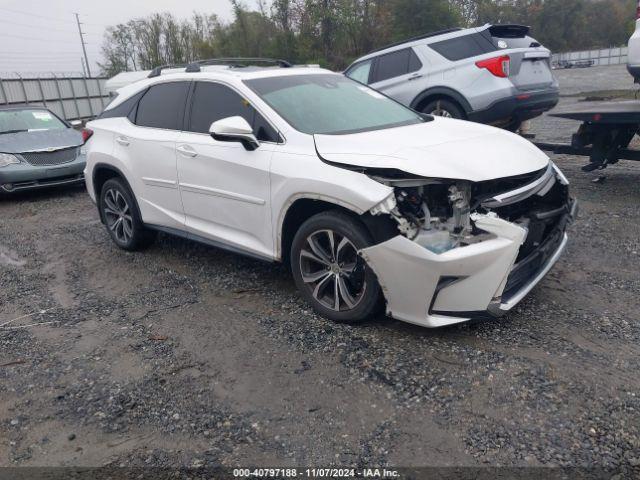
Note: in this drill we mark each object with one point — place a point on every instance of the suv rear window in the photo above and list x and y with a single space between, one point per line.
163 106
510 36
395 64
466 46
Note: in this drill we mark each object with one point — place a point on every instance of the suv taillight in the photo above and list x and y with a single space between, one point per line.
638 11
498 66
86 134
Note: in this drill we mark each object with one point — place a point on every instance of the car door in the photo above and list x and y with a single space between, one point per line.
225 188
147 148
393 74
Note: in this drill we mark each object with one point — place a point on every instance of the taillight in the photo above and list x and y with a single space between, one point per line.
638 11
498 66
86 134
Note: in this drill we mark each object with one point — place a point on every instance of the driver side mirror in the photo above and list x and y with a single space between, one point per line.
234 129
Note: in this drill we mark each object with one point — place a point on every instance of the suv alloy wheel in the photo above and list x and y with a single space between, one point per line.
120 214
328 271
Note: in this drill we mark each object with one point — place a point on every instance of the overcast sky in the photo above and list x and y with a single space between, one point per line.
42 35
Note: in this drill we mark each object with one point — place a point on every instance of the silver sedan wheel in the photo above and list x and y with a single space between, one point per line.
441 112
332 270
118 215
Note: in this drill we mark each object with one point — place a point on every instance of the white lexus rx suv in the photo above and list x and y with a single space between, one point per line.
371 203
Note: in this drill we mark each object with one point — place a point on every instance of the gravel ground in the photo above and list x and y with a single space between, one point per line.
187 356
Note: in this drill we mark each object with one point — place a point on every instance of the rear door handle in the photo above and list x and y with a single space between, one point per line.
415 76
187 151
124 141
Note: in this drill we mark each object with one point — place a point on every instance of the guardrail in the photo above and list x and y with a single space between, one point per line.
71 98
603 56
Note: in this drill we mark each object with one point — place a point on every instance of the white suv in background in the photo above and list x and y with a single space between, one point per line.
633 62
368 201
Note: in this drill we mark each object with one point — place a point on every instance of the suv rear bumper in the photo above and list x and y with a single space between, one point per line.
519 107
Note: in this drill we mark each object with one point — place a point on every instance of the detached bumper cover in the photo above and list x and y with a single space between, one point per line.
471 282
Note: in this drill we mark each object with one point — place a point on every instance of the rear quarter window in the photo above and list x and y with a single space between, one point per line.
124 109
162 106
466 46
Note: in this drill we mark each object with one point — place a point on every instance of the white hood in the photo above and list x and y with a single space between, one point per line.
443 148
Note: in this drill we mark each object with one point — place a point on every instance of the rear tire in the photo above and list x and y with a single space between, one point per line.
441 107
122 218
329 273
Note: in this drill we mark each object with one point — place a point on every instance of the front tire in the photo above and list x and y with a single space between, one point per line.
122 218
328 271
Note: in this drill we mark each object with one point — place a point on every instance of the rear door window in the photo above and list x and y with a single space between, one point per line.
395 64
163 106
212 102
466 46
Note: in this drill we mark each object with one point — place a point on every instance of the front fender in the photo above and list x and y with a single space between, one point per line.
314 179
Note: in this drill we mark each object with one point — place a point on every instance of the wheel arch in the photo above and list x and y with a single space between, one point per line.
301 208
103 172
443 93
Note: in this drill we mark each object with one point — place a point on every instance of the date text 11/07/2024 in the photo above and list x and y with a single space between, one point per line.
315 473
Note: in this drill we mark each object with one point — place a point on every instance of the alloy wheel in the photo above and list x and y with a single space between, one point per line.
332 270
441 112
118 215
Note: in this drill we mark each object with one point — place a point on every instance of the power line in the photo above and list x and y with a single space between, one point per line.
55 19
37 27
43 56
35 39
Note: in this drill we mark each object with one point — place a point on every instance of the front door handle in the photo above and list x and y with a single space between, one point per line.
124 141
187 151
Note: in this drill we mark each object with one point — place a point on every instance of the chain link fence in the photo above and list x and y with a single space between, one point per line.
586 58
72 97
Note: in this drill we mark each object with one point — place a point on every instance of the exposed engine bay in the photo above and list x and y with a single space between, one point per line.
464 250
442 215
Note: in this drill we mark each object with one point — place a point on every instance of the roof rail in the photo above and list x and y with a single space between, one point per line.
419 37
236 62
158 70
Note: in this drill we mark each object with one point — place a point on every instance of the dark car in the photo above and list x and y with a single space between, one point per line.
38 149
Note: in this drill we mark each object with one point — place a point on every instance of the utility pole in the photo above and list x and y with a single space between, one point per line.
84 49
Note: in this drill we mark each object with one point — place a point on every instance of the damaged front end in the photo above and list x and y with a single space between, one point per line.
466 250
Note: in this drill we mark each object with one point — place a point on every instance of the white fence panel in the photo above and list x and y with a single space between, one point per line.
605 56
72 98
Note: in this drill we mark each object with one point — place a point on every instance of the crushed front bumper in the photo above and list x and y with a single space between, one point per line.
472 282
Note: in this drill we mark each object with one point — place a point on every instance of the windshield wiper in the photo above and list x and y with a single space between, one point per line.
13 131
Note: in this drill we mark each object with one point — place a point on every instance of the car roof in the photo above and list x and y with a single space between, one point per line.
215 72
421 39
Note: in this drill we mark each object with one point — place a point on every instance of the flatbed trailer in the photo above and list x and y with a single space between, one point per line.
605 133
